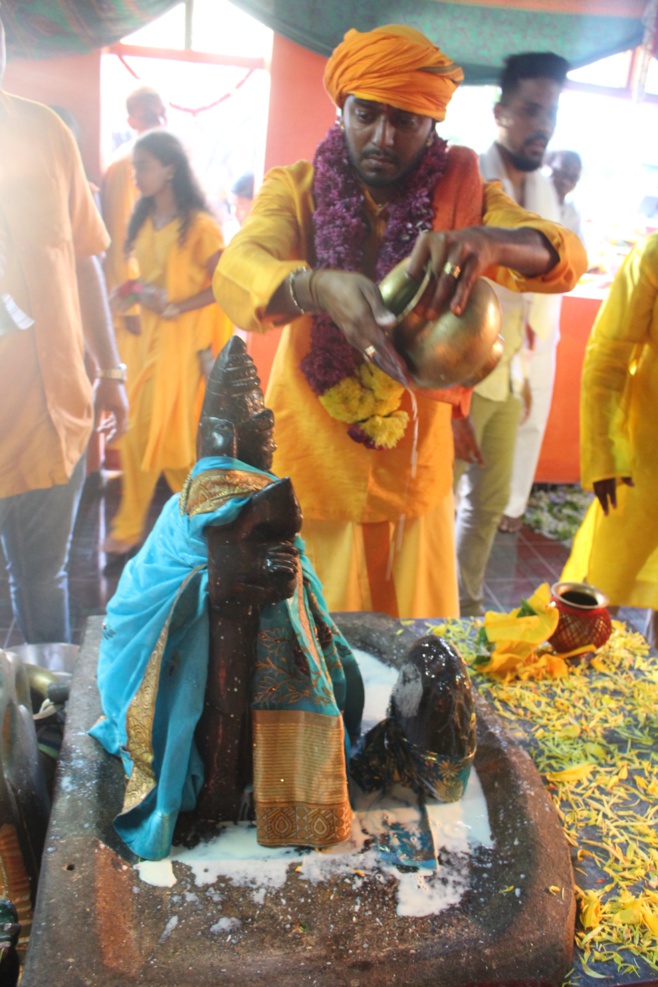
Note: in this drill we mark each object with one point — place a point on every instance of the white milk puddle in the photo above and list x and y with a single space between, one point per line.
455 828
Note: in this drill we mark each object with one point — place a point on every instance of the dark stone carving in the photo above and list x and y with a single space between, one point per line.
427 741
251 562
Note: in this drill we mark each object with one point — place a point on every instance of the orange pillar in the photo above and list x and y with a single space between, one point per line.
300 109
300 115
559 461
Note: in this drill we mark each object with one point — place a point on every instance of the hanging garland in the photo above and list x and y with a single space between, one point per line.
351 390
200 109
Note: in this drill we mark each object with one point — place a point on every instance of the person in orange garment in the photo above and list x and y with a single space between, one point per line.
374 484
53 301
176 244
118 195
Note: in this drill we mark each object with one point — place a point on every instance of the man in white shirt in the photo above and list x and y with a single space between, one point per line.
525 116
564 174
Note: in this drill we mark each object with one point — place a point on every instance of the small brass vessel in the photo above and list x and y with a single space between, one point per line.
451 349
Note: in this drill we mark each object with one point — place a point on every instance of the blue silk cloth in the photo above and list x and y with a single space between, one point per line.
154 658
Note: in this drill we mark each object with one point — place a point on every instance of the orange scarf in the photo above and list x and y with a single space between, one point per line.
396 65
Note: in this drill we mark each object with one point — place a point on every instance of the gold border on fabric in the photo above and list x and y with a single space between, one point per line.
208 491
300 779
302 613
140 715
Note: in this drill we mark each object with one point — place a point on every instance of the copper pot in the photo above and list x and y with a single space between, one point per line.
451 349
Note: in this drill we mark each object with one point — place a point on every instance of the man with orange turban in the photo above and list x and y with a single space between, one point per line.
370 458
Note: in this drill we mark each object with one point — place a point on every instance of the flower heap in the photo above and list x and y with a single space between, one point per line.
352 390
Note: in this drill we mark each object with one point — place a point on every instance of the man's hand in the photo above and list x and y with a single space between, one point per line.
355 304
605 492
466 445
457 258
526 401
111 407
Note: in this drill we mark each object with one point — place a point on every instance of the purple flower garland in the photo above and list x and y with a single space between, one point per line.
341 229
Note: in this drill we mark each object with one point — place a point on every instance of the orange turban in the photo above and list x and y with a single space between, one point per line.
394 64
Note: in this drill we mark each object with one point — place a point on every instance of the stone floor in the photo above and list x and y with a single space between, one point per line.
519 563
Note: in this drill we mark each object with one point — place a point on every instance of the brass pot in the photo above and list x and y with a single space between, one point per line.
451 349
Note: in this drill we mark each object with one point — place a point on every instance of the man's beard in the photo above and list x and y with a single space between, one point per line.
523 163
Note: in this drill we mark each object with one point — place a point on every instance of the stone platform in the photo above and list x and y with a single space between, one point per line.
98 923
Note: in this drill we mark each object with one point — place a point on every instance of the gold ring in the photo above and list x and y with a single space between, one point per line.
451 270
369 352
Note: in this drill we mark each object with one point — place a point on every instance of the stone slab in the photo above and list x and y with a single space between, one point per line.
97 923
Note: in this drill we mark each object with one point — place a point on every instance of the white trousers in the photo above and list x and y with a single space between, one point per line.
530 434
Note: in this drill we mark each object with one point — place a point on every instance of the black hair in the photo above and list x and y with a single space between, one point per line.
531 65
187 192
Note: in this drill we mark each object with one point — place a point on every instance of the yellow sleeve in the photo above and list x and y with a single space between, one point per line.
187 263
621 328
118 196
274 241
208 241
500 210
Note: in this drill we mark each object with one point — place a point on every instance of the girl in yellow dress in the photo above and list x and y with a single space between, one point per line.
177 244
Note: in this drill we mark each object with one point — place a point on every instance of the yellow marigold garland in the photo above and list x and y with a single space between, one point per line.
386 431
372 400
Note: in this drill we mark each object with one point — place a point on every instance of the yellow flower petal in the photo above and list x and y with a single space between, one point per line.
590 910
386 431
575 773
541 598
650 919
628 916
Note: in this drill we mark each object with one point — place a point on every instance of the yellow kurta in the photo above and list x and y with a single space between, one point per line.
167 391
337 480
619 398
50 219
